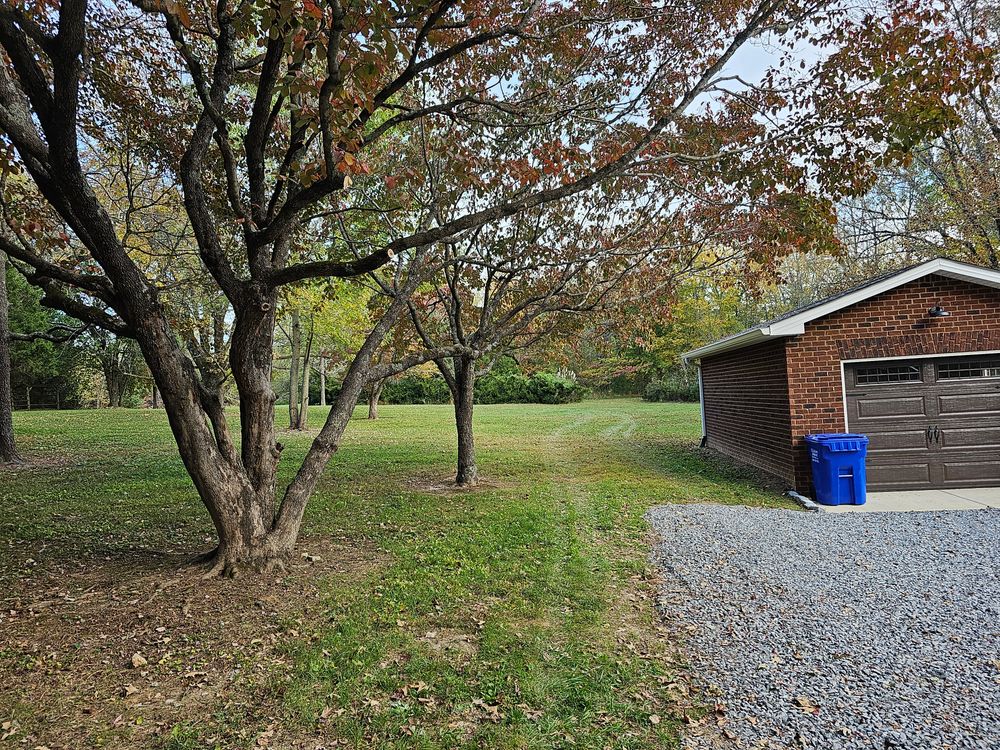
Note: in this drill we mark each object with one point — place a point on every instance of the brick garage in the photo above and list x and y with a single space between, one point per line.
911 359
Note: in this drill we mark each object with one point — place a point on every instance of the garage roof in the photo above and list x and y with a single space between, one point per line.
793 323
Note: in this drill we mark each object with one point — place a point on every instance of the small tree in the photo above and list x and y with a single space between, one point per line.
511 286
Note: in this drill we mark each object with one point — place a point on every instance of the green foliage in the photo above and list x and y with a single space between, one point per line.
518 388
416 389
671 388
616 375
503 387
49 369
704 309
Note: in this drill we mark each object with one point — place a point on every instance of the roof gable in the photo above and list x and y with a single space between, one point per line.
793 323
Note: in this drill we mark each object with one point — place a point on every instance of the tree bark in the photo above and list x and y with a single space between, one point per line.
8 447
114 385
463 395
322 380
374 394
293 372
306 372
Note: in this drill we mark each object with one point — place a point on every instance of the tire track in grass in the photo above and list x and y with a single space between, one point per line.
614 556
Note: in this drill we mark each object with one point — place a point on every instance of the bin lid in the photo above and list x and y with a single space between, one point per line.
829 437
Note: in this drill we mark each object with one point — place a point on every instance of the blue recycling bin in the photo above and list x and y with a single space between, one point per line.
838 468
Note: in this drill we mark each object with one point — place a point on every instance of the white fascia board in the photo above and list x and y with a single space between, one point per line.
993 280
736 342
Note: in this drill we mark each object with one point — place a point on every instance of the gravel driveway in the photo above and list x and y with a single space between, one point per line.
874 630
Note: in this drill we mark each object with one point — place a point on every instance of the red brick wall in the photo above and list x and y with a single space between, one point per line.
894 324
746 407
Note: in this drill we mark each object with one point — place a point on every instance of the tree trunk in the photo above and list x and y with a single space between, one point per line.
374 394
322 380
156 397
238 485
306 372
298 492
465 381
8 448
293 373
114 385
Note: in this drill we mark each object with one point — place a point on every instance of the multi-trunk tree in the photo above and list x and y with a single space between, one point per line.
273 113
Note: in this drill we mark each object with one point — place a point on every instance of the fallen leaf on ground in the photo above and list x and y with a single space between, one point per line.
807 705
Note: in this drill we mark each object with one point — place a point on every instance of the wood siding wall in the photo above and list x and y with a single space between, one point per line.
747 408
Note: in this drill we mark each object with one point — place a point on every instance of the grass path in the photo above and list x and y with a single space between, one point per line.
518 615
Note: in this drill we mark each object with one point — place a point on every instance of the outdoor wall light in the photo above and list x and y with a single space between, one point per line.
938 312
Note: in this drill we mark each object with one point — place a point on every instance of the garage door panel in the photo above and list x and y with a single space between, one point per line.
884 472
890 408
972 437
985 470
964 404
898 440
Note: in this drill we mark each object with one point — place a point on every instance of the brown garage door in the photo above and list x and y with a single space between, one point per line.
931 422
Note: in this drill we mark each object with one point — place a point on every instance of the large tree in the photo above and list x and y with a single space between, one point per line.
272 113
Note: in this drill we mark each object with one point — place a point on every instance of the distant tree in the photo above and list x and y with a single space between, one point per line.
44 346
270 114
119 362
323 325
8 446
708 301
37 348
945 199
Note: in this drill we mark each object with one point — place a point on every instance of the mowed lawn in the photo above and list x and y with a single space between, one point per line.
518 615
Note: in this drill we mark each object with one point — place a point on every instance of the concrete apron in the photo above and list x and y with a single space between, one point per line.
923 500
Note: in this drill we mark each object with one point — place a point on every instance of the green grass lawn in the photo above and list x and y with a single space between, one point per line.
518 615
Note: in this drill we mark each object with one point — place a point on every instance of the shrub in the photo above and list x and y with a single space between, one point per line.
671 389
505 385
503 388
416 389
552 389
517 388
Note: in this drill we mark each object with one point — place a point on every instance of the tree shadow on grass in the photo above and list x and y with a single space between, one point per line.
124 647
